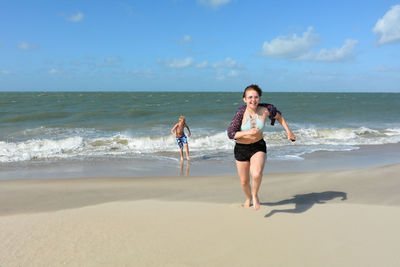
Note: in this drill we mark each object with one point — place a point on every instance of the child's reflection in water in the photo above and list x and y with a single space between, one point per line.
186 170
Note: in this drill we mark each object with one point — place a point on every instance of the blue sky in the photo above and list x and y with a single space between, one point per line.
200 45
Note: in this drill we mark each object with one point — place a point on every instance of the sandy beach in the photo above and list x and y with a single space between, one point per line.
335 218
99 168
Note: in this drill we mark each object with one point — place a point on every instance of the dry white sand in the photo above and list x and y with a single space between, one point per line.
347 218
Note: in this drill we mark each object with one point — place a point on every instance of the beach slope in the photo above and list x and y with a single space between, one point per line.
342 218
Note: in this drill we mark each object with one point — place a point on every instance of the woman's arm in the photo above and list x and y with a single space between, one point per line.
282 121
248 133
236 122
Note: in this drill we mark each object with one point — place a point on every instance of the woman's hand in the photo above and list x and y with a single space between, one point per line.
253 131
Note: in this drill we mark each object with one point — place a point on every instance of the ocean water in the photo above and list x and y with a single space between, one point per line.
62 126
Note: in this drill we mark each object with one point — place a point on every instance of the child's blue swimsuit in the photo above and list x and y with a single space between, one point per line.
181 140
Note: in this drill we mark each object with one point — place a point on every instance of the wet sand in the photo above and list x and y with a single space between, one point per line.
366 156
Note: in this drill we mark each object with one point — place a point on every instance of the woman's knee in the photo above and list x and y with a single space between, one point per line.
256 174
245 182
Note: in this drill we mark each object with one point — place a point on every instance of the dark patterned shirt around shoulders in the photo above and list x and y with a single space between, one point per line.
238 117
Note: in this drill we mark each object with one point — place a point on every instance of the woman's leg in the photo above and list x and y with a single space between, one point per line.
243 168
257 162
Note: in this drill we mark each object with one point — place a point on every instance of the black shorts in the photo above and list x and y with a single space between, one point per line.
243 152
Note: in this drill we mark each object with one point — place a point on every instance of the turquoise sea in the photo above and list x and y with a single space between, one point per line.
63 126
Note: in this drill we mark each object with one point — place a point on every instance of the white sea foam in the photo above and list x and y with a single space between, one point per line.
392 132
82 144
40 149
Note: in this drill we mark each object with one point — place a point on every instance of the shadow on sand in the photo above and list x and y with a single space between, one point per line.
305 202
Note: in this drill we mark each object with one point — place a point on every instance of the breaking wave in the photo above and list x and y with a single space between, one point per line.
81 143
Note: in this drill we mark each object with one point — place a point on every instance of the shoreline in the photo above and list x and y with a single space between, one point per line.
365 156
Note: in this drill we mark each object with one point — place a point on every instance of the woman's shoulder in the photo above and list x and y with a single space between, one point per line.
266 105
270 108
263 110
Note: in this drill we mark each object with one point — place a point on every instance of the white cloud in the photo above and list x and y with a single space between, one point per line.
25 46
202 65
227 68
111 60
228 63
187 39
222 75
5 72
178 63
53 71
142 73
233 73
335 54
77 63
388 27
130 10
388 69
214 3
299 48
76 17
291 46
90 57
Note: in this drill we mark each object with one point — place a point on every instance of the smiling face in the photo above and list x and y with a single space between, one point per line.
251 98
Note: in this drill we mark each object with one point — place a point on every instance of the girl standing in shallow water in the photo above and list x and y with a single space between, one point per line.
250 148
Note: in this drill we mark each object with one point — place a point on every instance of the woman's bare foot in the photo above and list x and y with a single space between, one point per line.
247 203
256 203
